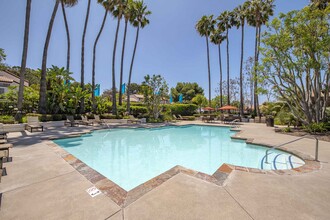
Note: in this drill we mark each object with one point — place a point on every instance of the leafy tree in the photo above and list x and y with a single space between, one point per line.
155 89
139 19
205 26
187 89
296 61
200 101
135 88
43 88
31 75
2 55
217 38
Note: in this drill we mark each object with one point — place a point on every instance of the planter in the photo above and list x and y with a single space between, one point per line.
270 122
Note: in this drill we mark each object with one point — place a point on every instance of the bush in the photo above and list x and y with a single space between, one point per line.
138 110
189 118
137 104
183 109
287 129
153 120
7 119
316 127
110 116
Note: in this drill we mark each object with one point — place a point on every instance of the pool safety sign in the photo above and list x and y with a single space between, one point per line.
93 191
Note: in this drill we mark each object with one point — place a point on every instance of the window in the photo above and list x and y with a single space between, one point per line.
2 90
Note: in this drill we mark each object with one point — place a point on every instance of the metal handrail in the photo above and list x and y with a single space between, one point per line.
316 147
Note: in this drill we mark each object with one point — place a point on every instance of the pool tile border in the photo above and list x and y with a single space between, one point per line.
124 198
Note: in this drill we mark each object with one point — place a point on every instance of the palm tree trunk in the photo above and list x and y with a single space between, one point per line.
114 104
24 58
82 81
228 83
255 72
67 37
220 85
94 60
257 97
208 66
43 86
131 69
241 74
122 64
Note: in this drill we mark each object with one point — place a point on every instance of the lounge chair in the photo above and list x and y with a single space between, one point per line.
174 117
182 118
33 124
85 121
99 120
3 133
70 121
208 118
133 120
4 149
3 171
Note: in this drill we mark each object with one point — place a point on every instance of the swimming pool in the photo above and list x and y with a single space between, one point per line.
130 157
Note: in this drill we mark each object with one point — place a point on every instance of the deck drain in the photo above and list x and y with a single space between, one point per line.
93 191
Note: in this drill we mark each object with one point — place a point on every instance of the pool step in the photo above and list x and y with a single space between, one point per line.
280 161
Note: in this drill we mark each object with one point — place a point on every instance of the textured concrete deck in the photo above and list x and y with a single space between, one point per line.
41 185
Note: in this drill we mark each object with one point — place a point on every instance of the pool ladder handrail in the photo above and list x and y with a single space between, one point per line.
306 136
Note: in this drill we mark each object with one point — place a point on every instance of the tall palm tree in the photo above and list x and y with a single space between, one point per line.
258 14
117 13
82 81
24 56
240 14
109 7
67 3
43 86
225 23
217 38
127 16
205 26
139 20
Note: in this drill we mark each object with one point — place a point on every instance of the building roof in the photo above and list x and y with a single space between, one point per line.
5 79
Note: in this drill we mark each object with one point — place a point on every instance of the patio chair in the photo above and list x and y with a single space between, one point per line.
4 150
70 121
98 120
33 124
85 121
174 117
3 171
133 120
3 133
182 118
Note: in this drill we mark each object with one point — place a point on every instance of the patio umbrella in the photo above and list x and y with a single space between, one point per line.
228 107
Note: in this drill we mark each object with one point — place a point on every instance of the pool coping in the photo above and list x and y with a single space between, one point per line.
124 198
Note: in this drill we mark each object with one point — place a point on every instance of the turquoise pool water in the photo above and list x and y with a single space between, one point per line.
130 157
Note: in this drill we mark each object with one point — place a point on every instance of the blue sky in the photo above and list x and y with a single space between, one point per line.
169 46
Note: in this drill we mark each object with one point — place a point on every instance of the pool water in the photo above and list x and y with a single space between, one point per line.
130 157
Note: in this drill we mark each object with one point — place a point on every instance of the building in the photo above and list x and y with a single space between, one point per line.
9 79
136 98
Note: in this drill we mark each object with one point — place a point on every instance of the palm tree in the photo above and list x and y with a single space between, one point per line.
139 20
205 26
258 14
82 81
109 7
24 57
43 86
67 3
217 38
127 15
225 23
320 4
117 13
240 14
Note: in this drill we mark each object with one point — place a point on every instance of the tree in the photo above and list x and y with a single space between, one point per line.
139 20
109 7
67 3
135 88
200 101
82 82
217 38
205 26
43 88
2 55
24 58
319 4
155 89
258 14
240 14
226 21
187 89
296 61
128 13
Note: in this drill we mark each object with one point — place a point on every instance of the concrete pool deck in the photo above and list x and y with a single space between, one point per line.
41 185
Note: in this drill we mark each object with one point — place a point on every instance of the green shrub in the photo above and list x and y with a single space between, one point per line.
189 118
316 127
137 104
183 109
110 116
138 110
153 120
197 115
7 119
59 117
287 129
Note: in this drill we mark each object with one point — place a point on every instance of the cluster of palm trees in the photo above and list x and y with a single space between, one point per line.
134 12
253 12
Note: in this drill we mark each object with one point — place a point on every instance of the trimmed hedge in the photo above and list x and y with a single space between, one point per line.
138 110
183 109
7 119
